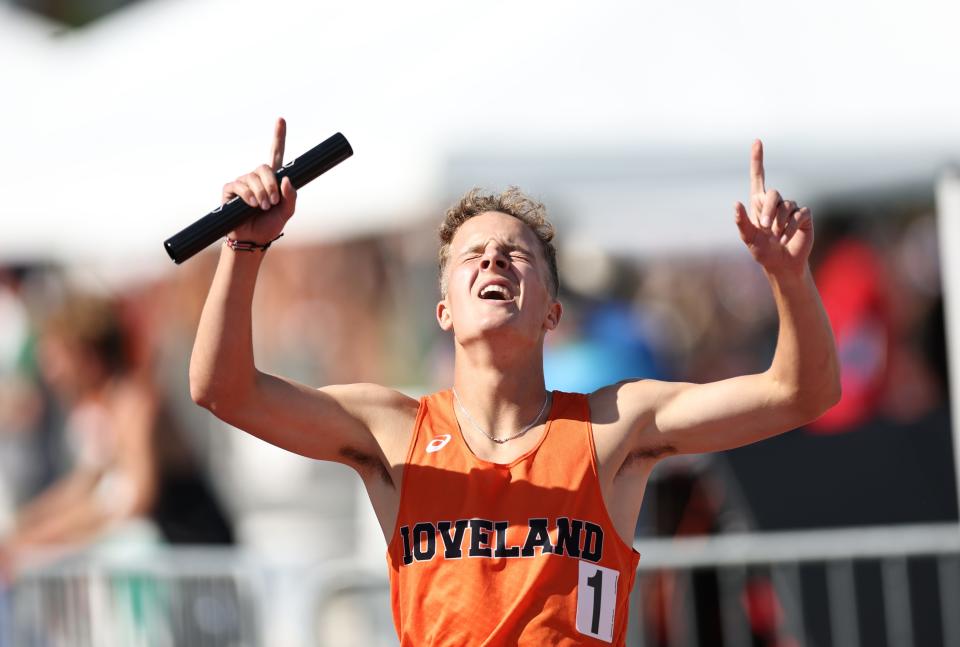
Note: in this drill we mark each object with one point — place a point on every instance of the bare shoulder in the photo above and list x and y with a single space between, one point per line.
373 402
388 414
623 416
133 399
627 403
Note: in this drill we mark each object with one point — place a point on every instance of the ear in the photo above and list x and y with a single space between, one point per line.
444 318
554 312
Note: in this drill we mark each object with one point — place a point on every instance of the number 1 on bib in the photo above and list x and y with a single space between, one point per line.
596 600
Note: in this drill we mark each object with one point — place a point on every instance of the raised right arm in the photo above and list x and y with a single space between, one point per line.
362 425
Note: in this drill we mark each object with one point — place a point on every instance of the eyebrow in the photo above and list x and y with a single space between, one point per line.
479 247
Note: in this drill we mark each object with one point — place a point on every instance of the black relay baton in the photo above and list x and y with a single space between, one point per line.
216 224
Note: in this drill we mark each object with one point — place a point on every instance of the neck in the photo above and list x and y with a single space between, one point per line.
502 392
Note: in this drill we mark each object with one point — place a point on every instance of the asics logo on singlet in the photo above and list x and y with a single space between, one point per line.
438 443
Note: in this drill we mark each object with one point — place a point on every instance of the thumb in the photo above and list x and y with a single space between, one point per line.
288 196
288 193
748 231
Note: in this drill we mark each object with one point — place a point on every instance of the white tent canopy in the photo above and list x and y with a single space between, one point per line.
117 135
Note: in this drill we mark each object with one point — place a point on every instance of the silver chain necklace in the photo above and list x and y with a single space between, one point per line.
501 441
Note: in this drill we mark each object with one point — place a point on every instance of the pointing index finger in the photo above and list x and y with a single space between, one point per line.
279 141
756 168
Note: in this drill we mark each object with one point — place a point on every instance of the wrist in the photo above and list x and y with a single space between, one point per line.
792 282
249 245
244 263
792 274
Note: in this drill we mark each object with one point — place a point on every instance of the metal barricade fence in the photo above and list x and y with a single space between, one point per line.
893 587
169 598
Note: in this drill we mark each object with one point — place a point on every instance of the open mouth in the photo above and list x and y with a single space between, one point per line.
496 293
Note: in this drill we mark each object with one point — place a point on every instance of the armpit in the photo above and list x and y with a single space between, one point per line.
366 464
652 452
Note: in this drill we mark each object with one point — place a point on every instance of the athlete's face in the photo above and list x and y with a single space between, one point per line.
497 281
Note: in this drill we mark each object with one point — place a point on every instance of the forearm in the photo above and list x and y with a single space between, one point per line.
70 527
58 497
222 364
53 516
805 365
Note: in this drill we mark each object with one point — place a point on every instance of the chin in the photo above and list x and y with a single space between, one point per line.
500 329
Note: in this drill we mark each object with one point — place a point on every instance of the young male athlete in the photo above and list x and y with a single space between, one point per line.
509 511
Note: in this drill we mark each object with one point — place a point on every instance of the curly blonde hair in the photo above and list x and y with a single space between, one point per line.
512 202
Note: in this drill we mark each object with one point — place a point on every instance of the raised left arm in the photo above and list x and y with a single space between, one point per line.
803 380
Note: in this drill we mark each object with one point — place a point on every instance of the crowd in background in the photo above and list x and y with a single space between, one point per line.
99 439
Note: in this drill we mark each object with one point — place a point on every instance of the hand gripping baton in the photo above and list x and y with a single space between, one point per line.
216 224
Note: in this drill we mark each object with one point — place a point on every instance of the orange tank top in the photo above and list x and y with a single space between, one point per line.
507 554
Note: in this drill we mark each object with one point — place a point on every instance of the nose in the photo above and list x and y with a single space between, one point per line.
493 257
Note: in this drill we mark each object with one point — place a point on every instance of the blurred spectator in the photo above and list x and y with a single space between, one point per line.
854 292
610 345
109 426
24 410
129 464
603 337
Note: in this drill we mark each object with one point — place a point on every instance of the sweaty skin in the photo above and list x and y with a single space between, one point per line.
499 358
